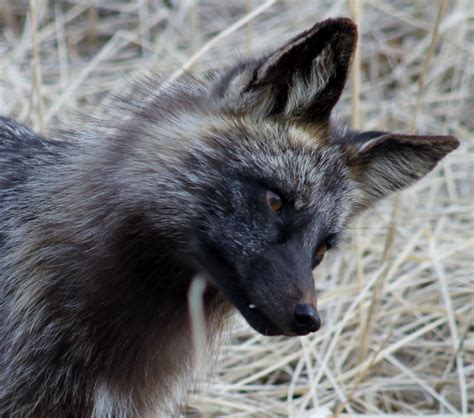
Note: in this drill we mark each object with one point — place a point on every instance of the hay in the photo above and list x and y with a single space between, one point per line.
398 300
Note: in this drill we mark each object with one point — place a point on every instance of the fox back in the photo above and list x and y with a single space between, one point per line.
241 178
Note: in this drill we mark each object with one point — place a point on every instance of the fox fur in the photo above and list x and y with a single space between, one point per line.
101 234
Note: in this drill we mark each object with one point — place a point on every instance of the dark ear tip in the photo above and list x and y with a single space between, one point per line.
342 30
342 21
446 140
450 142
447 143
340 25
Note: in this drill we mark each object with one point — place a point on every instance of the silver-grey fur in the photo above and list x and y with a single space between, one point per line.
101 235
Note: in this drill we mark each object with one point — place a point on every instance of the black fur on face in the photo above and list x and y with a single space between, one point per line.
261 259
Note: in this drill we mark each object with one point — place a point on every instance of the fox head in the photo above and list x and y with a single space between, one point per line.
263 179
292 180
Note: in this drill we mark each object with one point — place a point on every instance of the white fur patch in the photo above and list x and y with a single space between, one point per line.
108 404
105 403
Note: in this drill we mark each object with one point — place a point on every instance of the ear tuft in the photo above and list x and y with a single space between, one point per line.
310 71
433 147
383 163
338 35
302 80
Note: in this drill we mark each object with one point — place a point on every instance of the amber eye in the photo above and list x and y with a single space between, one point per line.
274 201
321 250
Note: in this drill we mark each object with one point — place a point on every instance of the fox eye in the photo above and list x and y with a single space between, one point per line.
275 202
321 250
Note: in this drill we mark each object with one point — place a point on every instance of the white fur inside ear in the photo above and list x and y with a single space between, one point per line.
366 145
304 90
259 101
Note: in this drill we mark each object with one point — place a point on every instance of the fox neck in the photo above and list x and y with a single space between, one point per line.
155 312
124 303
145 298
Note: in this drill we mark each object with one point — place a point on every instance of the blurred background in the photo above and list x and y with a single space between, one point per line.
397 301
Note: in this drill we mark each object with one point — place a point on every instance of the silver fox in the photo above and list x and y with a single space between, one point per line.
240 177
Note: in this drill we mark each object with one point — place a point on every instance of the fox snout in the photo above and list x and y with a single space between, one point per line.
279 304
302 319
306 319
275 317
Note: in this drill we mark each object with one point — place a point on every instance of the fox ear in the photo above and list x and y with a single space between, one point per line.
302 80
383 163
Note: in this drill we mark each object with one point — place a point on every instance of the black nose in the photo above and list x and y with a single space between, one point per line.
306 319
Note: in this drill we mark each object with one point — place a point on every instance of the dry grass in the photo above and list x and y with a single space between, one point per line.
398 300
